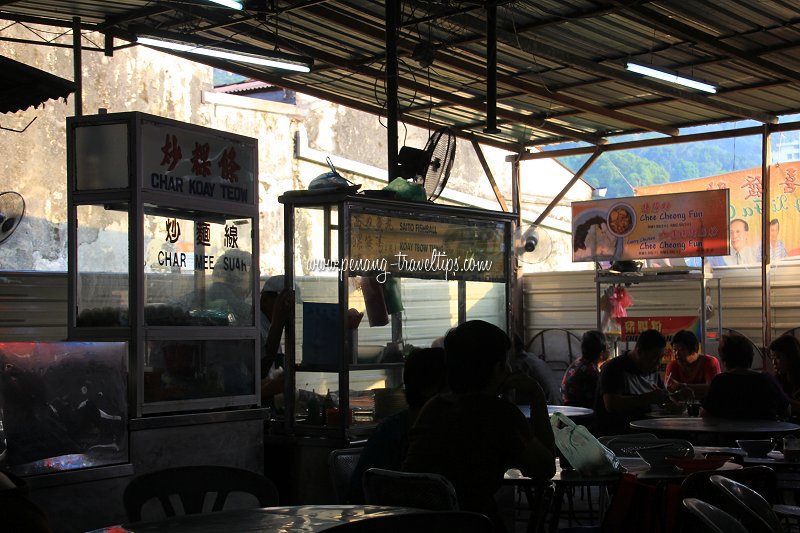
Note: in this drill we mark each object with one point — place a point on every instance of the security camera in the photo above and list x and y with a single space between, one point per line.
531 242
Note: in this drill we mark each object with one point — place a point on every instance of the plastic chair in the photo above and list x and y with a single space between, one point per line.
626 447
419 490
191 484
558 347
341 464
714 519
756 512
761 479
433 522
698 485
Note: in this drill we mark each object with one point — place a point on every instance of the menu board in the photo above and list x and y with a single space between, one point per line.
382 245
651 227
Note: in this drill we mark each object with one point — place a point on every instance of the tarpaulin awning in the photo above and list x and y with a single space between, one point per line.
23 86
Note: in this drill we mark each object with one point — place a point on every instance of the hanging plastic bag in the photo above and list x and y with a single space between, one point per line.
582 449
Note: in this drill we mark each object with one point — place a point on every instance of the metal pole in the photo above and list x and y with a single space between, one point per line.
766 303
491 68
76 65
392 103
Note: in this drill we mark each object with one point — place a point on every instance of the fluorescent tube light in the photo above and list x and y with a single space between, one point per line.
672 78
223 54
233 4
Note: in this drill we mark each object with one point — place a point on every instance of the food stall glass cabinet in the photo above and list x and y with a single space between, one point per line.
413 269
162 239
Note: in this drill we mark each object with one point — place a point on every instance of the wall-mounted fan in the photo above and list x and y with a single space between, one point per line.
12 209
534 245
431 166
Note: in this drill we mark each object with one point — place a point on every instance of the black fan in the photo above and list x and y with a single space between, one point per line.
12 209
429 167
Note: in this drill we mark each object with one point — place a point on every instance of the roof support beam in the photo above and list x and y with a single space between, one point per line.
470 69
598 151
518 84
618 74
646 143
317 92
488 171
670 25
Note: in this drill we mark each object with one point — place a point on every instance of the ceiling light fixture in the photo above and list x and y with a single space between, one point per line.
671 77
233 4
226 51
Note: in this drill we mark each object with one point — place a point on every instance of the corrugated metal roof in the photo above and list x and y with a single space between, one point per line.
560 63
23 86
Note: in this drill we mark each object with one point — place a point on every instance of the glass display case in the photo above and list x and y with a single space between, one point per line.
163 254
375 279
63 405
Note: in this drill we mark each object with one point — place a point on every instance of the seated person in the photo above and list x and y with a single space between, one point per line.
579 385
785 354
276 305
630 385
423 377
536 368
740 392
472 436
690 369
17 512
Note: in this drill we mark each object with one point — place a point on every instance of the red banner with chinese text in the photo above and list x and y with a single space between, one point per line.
632 326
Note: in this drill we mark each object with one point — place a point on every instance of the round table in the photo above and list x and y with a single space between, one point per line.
566 410
714 425
300 518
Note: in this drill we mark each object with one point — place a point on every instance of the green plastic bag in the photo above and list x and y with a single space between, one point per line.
405 190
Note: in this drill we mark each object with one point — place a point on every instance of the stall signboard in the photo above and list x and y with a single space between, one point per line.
745 204
383 245
632 326
651 227
198 162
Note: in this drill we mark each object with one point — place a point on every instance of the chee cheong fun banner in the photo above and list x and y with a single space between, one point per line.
688 224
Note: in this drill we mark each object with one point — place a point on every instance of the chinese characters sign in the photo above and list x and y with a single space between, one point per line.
651 227
189 162
632 327
185 245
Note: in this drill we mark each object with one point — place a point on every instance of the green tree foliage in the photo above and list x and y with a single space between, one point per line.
619 172
664 164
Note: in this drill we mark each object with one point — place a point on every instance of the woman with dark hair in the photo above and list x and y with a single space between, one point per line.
580 380
470 434
690 369
423 378
785 354
740 392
